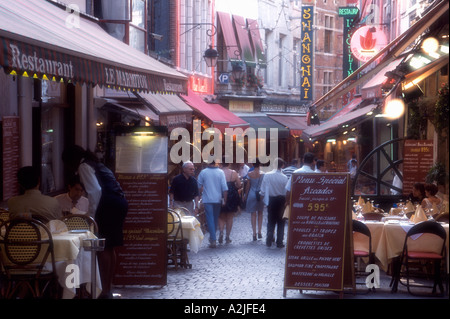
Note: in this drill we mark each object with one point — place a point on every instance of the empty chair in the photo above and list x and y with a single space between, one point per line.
435 256
360 227
80 222
176 243
27 260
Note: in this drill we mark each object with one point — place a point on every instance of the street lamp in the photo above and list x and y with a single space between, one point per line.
211 55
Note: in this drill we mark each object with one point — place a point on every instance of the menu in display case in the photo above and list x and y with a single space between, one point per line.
417 161
10 156
318 253
141 170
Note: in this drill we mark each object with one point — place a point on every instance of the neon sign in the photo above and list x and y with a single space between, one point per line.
306 53
349 64
366 42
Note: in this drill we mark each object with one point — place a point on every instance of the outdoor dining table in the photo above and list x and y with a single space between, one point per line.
388 239
391 242
71 258
192 232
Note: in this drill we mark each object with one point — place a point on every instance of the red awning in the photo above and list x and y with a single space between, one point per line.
336 123
347 108
228 33
372 89
37 41
243 39
216 113
295 123
258 47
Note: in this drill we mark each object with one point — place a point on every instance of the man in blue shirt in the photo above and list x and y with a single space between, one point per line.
214 190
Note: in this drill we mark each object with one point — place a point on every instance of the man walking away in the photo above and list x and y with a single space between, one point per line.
273 185
214 191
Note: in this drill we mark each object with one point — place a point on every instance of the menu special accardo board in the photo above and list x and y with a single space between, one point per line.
317 232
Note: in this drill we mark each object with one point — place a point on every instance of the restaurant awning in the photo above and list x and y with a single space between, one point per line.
266 122
37 40
228 33
295 123
127 107
353 104
415 77
372 89
165 103
332 125
172 110
387 55
244 40
219 116
258 47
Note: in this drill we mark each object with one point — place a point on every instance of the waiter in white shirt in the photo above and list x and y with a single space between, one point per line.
273 185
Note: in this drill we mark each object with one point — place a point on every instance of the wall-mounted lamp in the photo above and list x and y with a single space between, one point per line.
211 56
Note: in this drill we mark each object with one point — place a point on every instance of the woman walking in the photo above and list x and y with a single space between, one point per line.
254 202
231 206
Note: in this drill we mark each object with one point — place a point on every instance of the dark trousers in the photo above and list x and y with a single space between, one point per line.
275 211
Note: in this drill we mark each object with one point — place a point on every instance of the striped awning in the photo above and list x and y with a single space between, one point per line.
40 40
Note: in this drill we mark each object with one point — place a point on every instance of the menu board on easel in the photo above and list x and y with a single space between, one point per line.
141 169
417 161
319 246
10 156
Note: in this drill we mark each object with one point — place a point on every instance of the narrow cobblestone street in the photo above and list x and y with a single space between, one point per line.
243 269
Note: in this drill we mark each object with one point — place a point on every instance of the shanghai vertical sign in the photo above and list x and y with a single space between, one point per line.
306 53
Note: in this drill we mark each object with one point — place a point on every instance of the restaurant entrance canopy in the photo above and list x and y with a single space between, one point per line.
38 39
295 123
219 116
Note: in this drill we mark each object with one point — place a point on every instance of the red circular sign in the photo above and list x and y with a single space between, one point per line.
366 42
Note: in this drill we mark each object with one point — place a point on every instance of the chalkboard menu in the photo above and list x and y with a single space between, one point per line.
141 169
318 234
10 156
417 161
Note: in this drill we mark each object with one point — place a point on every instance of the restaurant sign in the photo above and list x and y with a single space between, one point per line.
319 246
349 64
306 53
34 61
366 42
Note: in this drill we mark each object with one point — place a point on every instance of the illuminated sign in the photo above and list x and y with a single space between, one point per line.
366 42
306 51
349 64
200 84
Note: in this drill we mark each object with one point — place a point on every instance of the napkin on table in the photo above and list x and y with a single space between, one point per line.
361 201
57 226
419 215
367 208
409 207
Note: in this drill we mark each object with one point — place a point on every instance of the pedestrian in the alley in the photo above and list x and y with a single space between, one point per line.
291 168
273 185
254 202
308 166
213 190
184 189
107 204
231 205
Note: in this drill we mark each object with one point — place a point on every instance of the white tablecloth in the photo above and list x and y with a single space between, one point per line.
192 231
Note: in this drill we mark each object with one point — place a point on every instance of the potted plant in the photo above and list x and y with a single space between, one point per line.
436 174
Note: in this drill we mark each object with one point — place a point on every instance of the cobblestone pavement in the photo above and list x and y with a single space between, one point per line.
242 269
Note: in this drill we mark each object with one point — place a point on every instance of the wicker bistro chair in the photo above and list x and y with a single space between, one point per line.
27 260
80 222
402 267
176 243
